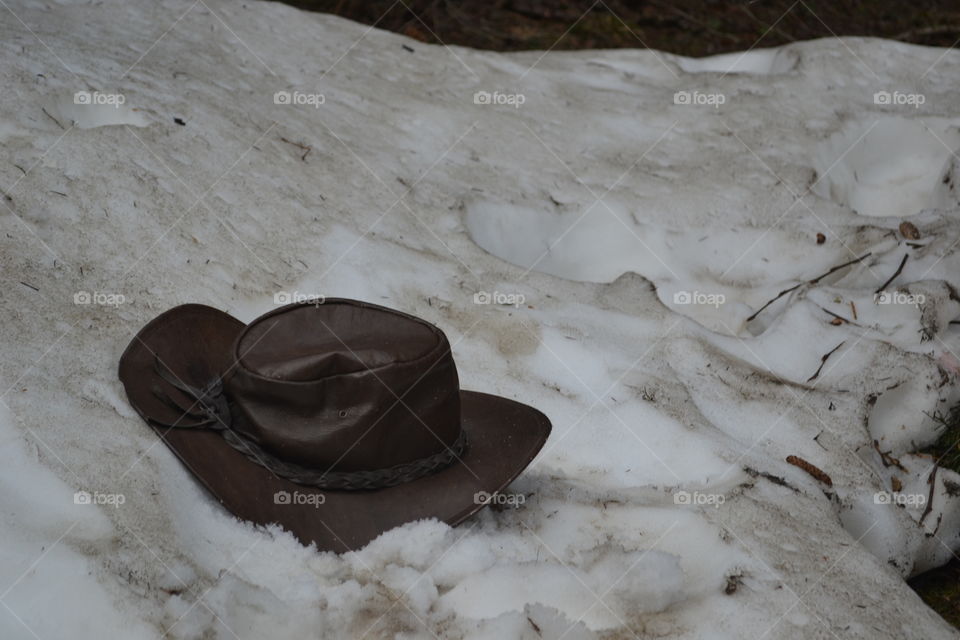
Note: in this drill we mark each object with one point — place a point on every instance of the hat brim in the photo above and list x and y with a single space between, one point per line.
504 436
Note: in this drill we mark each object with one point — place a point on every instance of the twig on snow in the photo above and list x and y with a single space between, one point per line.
775 298
838 319
932 481
814 281
300 145
887 458
895 274
823 361
841 266
54 119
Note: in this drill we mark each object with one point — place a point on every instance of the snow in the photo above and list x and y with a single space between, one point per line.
888 167
85 112
36 570
623 224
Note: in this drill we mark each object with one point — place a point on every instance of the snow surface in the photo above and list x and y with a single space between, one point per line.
589 211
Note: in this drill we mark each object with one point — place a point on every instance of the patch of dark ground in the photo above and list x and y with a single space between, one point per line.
690 28
940 588
686 27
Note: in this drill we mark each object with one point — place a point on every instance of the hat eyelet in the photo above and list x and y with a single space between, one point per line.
343 413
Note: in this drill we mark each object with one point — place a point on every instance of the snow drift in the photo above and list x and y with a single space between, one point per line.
599 234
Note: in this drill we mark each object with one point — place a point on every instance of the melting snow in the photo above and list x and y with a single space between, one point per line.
600 250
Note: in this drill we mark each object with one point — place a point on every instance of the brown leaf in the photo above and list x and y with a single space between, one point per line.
816 472
909 230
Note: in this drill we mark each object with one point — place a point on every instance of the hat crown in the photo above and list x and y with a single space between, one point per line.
343 385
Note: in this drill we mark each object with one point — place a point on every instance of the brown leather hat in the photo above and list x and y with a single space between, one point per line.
336 419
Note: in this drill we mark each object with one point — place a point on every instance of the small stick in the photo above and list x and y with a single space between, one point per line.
770 302
838 317
532 623
823 361
300 146
814 281
931 480
887 458
52 118
753 473
27 284
896 273
838 267
853 308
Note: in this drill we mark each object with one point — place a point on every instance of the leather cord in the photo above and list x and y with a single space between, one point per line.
211 410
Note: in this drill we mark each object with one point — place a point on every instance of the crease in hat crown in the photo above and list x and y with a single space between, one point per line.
345 386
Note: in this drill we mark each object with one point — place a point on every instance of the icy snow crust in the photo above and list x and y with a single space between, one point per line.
601 202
